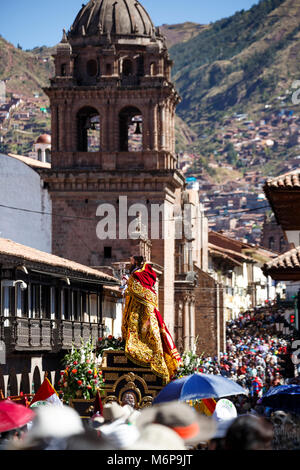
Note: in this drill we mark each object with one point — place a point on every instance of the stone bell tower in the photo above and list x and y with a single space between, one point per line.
113 134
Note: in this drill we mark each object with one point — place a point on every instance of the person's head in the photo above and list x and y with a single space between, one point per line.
249 433
136 262
13 435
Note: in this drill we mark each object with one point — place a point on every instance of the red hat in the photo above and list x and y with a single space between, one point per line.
13 416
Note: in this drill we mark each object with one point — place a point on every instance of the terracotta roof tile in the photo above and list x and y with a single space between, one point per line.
288 180
26 253
289 260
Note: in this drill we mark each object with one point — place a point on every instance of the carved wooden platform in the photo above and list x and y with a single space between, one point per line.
123 376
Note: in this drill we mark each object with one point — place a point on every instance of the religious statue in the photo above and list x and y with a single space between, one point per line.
148 342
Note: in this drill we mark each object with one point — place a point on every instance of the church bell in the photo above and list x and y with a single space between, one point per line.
138 129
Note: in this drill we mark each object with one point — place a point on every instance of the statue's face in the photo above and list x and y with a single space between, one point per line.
129 399
132 264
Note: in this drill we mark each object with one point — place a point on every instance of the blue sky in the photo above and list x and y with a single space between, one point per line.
36 23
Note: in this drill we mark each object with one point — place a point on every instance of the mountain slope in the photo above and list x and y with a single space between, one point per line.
178 33
239 62
24 72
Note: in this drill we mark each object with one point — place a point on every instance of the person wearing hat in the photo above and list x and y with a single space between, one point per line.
224 415
181 418
249 432
51 428
113 412
14 419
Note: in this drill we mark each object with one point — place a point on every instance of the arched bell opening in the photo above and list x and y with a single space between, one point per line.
88 130
131 130
272 243
127 68
48 155
153 69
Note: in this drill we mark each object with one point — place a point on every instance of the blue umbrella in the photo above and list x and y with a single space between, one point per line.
284 397
199 387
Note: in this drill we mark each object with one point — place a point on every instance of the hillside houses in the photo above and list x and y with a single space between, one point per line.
253 140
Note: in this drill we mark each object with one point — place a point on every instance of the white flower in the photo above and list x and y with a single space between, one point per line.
187 361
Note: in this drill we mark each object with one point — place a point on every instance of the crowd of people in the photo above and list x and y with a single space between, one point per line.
258 354
257 357
167 426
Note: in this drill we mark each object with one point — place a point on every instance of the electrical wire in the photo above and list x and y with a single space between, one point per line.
53 214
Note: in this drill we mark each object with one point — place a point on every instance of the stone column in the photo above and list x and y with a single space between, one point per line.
162 128
167 126
113 130
147 127
151 125
179 336
173 131
69 128
106 129
54 128
186 331
155 127
192 322
61 130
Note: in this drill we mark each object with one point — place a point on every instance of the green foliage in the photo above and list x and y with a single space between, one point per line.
82 377
110 342
225 39
232 155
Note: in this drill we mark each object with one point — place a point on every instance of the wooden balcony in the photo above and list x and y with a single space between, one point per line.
28 334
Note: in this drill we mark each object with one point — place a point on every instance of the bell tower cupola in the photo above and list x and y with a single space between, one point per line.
112 92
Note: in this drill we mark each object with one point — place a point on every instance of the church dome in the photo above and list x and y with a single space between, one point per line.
44 139
114 17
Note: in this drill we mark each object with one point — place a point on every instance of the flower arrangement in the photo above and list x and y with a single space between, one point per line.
81 377
111 343
191 363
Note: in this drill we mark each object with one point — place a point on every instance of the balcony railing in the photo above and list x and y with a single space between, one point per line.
24 334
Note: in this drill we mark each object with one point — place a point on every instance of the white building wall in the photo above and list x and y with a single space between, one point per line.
21 187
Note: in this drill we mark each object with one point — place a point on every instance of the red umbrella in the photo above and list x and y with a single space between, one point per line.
13 416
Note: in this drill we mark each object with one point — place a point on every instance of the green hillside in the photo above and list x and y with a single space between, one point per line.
178 33
25 72
239 64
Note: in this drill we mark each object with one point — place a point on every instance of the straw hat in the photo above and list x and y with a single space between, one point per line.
192 427
113 412
158 437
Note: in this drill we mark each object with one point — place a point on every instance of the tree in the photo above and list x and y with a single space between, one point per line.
232 155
